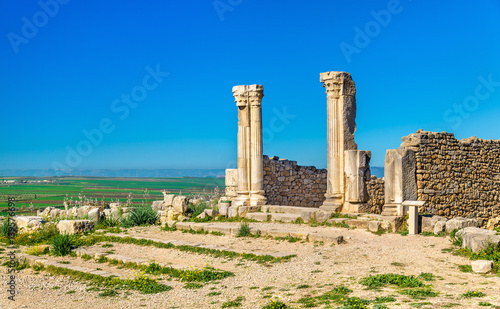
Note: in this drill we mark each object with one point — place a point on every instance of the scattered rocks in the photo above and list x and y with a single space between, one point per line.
481 266
74 226
459 223
476 239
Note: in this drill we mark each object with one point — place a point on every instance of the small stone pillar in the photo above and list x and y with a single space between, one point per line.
249 191
412 207
400 180
341 114
357 170
231 183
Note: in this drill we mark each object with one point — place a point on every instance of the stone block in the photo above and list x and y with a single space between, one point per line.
459 223
203 215
428 223
493 223
400 178
357 171
481 266
95 214
180 204
374 226
168 199
439 227
243 210
223 209
158 205
29 221
232 212
258 216
360 224
114 205
322 216
54 213
74 226
326 238
84 210
476 239
211 212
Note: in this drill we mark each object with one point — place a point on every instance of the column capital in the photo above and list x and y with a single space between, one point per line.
338 83
255 94
240 96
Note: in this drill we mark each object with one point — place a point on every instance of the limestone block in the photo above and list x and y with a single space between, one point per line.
203 215
46 212
322 216
162 213
493 223
481 266
429 222
439 227
211 212
357 171
107 213
114 205
115 214
54 213
158 205
28 221
168 200
180 204
373 226
232 211
74 226
95 214
231 177
84 210
459 223
223 207
400 176
243 210
476 239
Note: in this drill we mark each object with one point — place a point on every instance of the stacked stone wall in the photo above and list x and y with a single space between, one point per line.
376 189
286 183
457 177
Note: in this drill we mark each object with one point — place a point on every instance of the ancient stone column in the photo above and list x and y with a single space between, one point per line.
255 94
341 113
243 188
357 170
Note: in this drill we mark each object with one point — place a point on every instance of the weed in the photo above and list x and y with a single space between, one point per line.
86 256
216 233
244 230
275 304
38 267
303 286
397 264
108 293
384 299
107 246
193 285
380 306
426 276
214 293
41 236
355 303
470 294
233 303
341 290
71 292
37 250
267 288
381 280
61 244
484 304
141 215
419 293
456 239
169 228
8 228
466 268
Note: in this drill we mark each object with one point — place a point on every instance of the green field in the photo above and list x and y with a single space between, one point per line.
43 195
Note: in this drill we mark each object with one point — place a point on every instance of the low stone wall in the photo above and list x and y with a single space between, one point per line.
376 187
457 177
286 183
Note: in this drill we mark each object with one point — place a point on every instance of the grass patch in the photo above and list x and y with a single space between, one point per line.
244 230
466 268
108 293
303 286
384 299
193 285
470 294
214 293
141 215
426 276
275 304
382 280
234 303
419 293
61 244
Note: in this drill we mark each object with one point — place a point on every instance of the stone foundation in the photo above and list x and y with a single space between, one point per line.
376 187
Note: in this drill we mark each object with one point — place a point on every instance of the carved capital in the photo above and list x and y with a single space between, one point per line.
338 83
255 94
240 96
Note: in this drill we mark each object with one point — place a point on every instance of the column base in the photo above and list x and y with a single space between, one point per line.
350 207
241 200
332 203
392 209
257 199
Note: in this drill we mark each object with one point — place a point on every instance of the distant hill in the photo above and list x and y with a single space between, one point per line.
116 173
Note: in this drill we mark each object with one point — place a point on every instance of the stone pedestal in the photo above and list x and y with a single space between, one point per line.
357 171
231 183
411 207
249 191
400 180
341 114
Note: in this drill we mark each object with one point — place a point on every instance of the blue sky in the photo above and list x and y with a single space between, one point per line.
69 66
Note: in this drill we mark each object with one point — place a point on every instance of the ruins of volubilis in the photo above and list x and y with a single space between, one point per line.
282 235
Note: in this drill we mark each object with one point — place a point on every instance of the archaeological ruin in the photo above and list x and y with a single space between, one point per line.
453 178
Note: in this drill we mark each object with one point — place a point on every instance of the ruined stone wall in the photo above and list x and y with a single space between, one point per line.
457 177
286 183
376 192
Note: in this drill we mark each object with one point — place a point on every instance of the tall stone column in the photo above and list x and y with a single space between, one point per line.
341 125
243 188
250 155
255 94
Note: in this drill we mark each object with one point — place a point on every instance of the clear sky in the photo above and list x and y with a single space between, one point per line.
147 84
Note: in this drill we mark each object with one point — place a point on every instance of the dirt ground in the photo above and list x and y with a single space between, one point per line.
315 270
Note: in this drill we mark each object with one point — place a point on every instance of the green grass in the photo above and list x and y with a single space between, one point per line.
244 230
382 280
193 285
470 294
61 244
234 303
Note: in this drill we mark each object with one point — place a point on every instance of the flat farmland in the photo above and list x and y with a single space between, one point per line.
33 190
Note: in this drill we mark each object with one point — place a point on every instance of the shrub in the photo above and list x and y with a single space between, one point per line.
244 230
8 228
141 215
197 209
37 250
61 244
385 279
470 294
